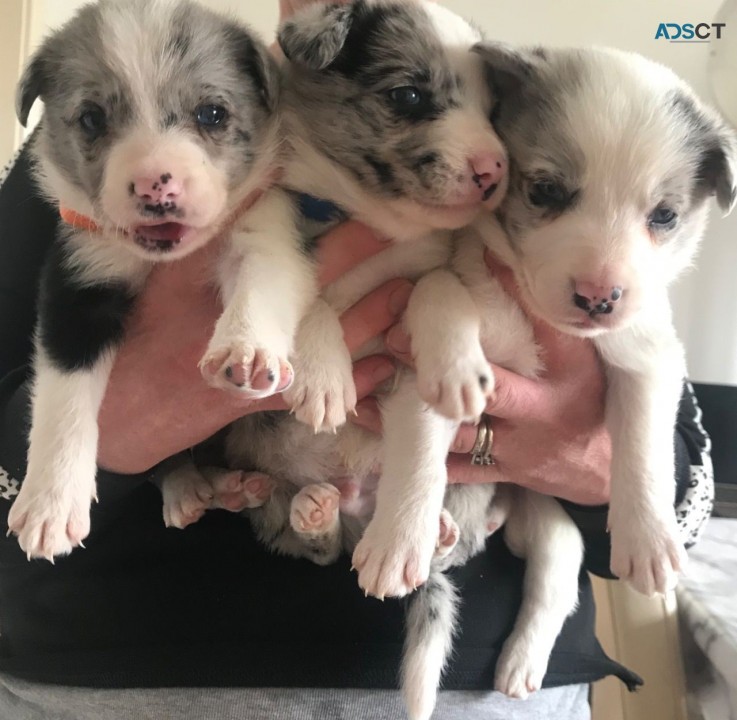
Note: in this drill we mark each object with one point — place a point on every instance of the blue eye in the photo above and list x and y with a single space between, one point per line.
662 217
549 193
406 96
211 115
93 121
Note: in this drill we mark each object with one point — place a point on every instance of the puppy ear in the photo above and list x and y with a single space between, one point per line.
504 60
718 168
33 84
263 68
315 36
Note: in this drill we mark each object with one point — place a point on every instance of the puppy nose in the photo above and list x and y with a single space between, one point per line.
159 189
487 170
596 299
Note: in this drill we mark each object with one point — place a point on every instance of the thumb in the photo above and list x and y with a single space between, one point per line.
516 397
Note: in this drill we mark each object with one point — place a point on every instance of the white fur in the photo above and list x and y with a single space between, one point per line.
50 516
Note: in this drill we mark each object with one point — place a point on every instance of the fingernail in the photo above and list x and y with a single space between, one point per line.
397 340
399 298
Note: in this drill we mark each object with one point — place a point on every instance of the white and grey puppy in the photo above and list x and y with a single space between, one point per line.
388 115
614 159
386 112
160 130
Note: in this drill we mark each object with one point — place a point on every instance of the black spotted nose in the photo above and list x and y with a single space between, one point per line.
596 299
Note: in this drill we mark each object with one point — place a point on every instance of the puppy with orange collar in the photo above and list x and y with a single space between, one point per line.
160 134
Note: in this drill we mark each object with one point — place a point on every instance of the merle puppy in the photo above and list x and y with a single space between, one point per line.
160 134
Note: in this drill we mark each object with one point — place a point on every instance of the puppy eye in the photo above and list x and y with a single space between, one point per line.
548 193
406 97
93 121
211 115
662 217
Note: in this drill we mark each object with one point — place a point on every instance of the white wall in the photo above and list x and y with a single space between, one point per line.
706 299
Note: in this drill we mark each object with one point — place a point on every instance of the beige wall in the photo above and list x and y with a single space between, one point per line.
705 301
14 30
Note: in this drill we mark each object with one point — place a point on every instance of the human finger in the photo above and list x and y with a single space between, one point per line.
375 313
368 415
370 372
344 247
462 472
519 398
465 439
398 343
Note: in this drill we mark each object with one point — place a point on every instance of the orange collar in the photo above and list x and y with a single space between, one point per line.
82 222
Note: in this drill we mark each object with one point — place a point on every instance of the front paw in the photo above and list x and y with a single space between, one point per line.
246 368
647 553
393 557
50 522
322 396
456 384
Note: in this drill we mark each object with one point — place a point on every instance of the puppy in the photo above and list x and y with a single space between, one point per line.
614 161
386 113
160 134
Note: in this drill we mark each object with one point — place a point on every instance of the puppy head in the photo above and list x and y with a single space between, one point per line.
390 93
159 120
612 161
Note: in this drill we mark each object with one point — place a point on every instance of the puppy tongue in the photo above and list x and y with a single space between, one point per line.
165 231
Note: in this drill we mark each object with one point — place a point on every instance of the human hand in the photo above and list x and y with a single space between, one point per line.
157 404
549 433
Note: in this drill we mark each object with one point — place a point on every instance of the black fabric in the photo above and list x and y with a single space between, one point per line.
719 406
147 606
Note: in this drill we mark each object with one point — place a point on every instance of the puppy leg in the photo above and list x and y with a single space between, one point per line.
641 411
51 514
393 556
539 530
323 389
453 375
267 284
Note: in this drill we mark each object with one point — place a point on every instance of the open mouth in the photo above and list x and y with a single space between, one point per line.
161 238
489 191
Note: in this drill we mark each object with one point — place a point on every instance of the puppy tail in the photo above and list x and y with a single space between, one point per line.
430 625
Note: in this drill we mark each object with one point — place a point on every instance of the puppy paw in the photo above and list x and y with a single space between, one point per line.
186 495
253 371
455 384
236 491
447 536
50 520
393 556
322 393
647 553
314 509
521 668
